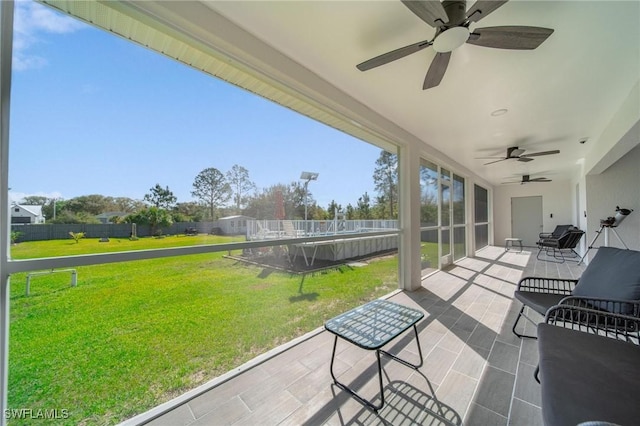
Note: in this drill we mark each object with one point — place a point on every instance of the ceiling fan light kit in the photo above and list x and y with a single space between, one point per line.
451 39
451 21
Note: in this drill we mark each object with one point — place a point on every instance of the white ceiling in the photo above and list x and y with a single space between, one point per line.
567 89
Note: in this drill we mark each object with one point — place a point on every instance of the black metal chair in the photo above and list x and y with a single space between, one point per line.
560 249
609 282
583 351
557 233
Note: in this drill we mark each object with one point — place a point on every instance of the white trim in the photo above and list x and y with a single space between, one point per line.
6 46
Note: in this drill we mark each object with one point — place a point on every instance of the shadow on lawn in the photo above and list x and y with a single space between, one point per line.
265 272
302 296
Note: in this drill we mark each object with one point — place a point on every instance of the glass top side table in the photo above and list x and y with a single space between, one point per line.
370 327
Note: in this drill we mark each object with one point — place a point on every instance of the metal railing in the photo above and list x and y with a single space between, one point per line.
278 229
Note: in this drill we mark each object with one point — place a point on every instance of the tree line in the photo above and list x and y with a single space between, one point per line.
219 194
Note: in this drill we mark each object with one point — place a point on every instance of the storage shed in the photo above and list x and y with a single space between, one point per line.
234 225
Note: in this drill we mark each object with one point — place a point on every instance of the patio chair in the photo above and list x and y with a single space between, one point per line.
557 233
583 351
560 249
609 282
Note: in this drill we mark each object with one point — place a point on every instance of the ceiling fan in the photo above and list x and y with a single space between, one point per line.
451 21
515 153
527 179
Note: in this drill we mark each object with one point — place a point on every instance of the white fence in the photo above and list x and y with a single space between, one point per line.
280 229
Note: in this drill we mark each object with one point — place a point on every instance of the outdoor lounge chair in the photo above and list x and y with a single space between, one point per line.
557 233
610 280
583 352
559 244
562 247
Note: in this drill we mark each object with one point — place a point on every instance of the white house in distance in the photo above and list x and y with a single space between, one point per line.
107 217
26 214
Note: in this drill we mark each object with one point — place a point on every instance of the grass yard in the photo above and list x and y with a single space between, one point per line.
68 247
135 334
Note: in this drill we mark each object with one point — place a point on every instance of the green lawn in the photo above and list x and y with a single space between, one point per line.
69 247
429 254
132 335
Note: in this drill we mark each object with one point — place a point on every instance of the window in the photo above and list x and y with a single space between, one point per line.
459 218
481 216
429 196
442 216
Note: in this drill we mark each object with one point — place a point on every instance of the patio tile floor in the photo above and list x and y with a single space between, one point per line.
475 370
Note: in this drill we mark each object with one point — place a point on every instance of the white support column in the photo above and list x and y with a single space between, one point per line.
409 218
6 41
470 216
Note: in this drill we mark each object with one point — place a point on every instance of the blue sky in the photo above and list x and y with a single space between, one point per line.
94 114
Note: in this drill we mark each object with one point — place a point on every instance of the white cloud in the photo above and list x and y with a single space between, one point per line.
31 22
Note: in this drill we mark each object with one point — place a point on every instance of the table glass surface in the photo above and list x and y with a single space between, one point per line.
374 324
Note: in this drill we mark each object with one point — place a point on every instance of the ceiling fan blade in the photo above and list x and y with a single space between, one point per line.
540 179
429 11
537 154
524 159
514 152
510 37
385 58
482 8
491 162
436 70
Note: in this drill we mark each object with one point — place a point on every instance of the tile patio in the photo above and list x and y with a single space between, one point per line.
475 372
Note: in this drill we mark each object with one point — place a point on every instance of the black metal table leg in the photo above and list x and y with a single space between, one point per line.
360 399
351 391
370 327
407 363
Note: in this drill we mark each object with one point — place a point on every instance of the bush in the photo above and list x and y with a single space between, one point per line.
77 236
14 236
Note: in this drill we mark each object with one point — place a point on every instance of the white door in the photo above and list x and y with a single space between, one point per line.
526 219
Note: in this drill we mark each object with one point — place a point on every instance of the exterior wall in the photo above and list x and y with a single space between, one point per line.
233 225
556 200
619 185
23 213
345 249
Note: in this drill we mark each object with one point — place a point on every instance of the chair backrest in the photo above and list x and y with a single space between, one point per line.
564 239
572 240
612 274
560 231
